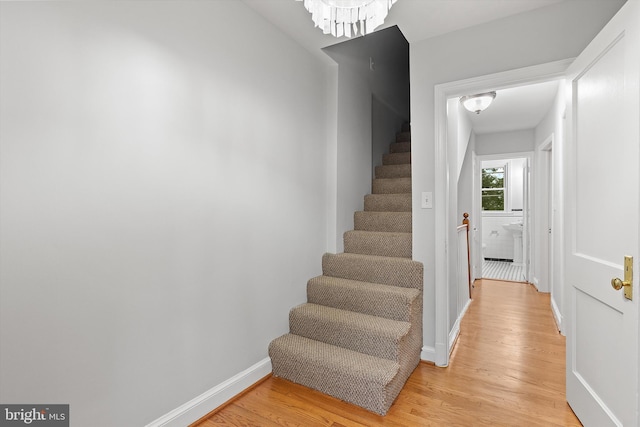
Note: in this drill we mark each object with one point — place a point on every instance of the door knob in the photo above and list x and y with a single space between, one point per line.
618 284
627 283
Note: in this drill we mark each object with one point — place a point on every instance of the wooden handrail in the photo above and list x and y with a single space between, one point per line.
465 221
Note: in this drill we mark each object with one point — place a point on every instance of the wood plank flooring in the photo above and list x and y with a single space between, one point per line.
507 369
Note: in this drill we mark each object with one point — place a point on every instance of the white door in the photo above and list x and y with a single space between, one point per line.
526 215
603 158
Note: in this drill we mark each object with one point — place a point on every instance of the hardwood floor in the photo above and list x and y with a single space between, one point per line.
507 369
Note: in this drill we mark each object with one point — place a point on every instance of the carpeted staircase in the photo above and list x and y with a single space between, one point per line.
359 336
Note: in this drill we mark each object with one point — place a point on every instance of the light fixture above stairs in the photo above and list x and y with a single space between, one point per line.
348 17
359 336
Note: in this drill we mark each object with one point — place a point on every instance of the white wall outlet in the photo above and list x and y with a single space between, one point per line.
427 200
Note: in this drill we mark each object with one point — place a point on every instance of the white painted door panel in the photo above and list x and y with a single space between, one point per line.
602 224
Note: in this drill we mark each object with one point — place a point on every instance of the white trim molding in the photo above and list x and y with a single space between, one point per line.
455 331
201 405
557 316
428 354
442 92
535 282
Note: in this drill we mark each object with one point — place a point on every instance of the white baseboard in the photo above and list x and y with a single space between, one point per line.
455 331
453 335
200 406
428 354
535 282
557 315
441 359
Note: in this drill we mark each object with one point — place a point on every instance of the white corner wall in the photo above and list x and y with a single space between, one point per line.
551 130
540 36
163 200
353 153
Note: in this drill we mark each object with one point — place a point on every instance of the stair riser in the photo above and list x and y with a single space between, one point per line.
393 171
403 137
386 271
387 202
370 335
390 302
399 222
391 186
400 147
410 349
396 158
361 380
378 243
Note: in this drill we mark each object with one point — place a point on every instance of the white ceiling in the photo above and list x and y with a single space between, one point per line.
517 108
417 19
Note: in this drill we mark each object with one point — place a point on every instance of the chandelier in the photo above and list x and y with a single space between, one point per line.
348 17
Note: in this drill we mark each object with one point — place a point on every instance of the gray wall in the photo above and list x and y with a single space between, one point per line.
389 51
505 142
163 200
363 94
465 189
385 124
540 36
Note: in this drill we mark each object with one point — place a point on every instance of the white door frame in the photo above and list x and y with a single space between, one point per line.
476 212
443 218
547 196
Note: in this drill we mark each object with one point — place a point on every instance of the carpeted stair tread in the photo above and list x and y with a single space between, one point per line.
391 185
393 171
372 335
399 222
347 375
392 271
396 158
388 202
399 147
390 302
403 137
380 243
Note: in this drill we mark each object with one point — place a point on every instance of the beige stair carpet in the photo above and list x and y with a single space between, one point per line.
359 336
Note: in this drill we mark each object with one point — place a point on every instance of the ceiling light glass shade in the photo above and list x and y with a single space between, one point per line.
348 17
479 102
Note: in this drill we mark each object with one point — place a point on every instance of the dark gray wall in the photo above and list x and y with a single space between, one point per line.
363 94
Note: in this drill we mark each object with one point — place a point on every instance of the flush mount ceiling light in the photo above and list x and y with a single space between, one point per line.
348 17
477 103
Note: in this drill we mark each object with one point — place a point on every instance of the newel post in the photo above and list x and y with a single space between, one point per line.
465 221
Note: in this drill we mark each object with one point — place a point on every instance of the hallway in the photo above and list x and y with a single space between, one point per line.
507 369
